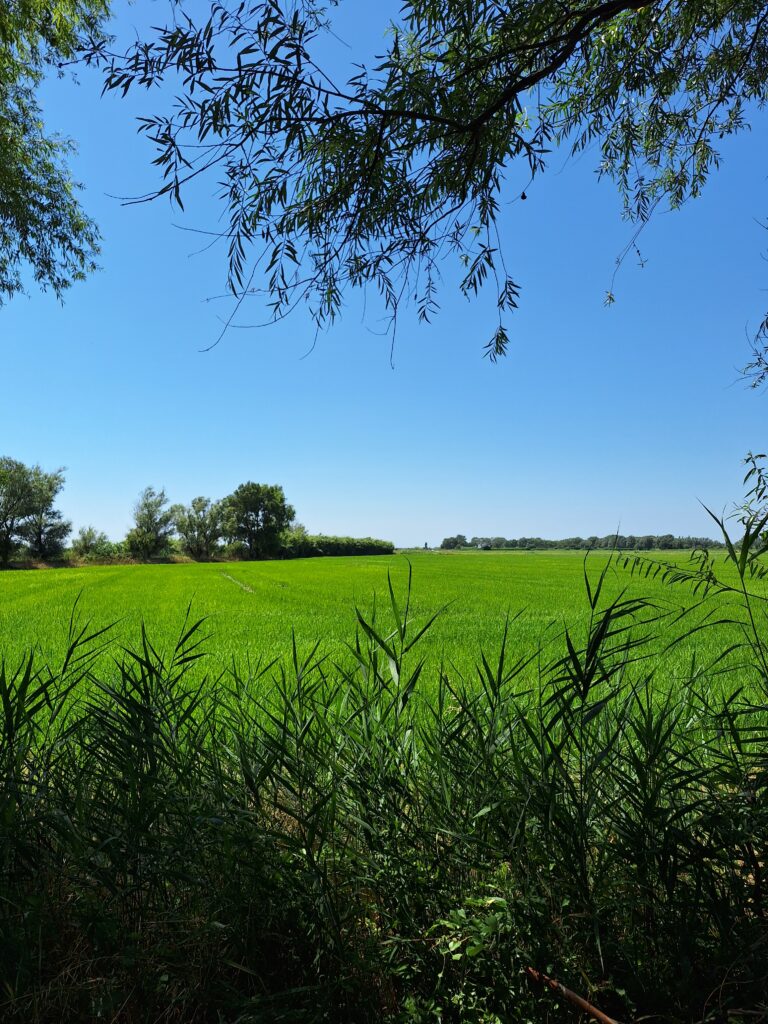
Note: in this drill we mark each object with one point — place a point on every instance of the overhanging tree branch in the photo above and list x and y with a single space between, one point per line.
374 182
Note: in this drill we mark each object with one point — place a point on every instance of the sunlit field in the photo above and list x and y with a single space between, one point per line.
252 609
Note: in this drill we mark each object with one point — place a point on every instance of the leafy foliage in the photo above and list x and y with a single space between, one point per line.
300 544
27 514
610 542
373 182
91 543
255 515
43 229
310 840
199 525
150 536
45 530
15 503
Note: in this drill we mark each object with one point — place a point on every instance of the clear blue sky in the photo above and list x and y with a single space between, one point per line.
598 419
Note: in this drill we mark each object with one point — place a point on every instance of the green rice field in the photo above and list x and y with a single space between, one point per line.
251 608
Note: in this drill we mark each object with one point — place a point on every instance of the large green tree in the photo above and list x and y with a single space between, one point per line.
44 231
16 497
45 529
256 515
27 513
199 525
373 181
153 525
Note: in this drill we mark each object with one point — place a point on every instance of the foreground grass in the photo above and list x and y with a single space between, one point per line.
378 838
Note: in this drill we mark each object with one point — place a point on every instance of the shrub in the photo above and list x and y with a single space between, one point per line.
92 543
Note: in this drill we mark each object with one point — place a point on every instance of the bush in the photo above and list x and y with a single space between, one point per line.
91 544
235 551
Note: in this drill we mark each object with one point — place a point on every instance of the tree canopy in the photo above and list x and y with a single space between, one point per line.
610 542
27 513
374 180
45 529
255 515
153 526
43 229
199 525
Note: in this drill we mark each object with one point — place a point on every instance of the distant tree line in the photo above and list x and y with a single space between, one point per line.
297 543
253 522
612 541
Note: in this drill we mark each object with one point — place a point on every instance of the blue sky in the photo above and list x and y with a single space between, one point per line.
598 419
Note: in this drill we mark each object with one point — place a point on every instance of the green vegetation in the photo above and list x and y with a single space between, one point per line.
423 140
311 806
611 542
368 839
27 515
255 521
297 543
409 162
200 526
252 607
305 810
43 229
150 535
255 517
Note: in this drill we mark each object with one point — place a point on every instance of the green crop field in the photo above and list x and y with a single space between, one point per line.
251 608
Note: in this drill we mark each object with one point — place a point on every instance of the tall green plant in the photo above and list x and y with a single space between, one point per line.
367 838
